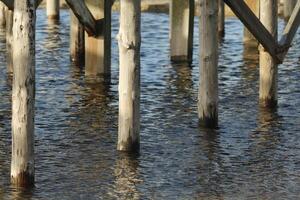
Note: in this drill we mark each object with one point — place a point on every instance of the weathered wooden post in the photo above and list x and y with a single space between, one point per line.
182 30
268 66
53 9
3 9
23 93
129 38
9 40
76 40
98 49
208 88
288 7
248 37
221 21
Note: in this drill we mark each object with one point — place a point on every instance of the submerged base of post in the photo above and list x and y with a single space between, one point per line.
24 179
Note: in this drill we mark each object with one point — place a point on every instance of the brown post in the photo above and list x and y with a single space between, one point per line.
182 30
208 88
76 41
98 49
268 66
288 7
221 21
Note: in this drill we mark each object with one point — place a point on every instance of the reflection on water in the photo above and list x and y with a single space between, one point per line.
253 155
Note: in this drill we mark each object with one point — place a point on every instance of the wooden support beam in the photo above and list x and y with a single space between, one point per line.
98 48
76 41
249 39
182 28
3 9
84 16
10 3
253 24
208 84
129 39
23 94
221 20
268 68
290 31
288 7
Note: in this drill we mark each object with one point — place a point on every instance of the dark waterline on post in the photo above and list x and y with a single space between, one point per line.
253 154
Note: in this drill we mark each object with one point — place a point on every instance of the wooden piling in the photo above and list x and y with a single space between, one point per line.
182 30
98 49
76 40
3 9
268 66
9 40
53 9
248 37
221 20
288 7
208 88
23 93
129 39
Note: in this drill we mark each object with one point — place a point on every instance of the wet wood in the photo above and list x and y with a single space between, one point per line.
182 29
76 40
23 94
268 66
98 48
129 39
208 88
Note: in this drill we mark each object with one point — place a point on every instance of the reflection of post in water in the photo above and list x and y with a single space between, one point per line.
52 40
268 120
21 193
127 176
210 178
183 80
249 70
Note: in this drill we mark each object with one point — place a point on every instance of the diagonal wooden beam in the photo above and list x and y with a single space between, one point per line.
248 18
10 3
85 17
290 31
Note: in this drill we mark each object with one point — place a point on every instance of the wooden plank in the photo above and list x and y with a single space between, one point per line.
290 31
244 13
84 16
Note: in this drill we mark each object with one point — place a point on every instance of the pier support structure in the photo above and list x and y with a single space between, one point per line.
77 46
221 20
9 40
248 37
23 93
53 9
268 66
208 88
181 30
288 7
3 9
129 39
98 48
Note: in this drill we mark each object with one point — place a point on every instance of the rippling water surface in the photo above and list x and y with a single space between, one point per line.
255 154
